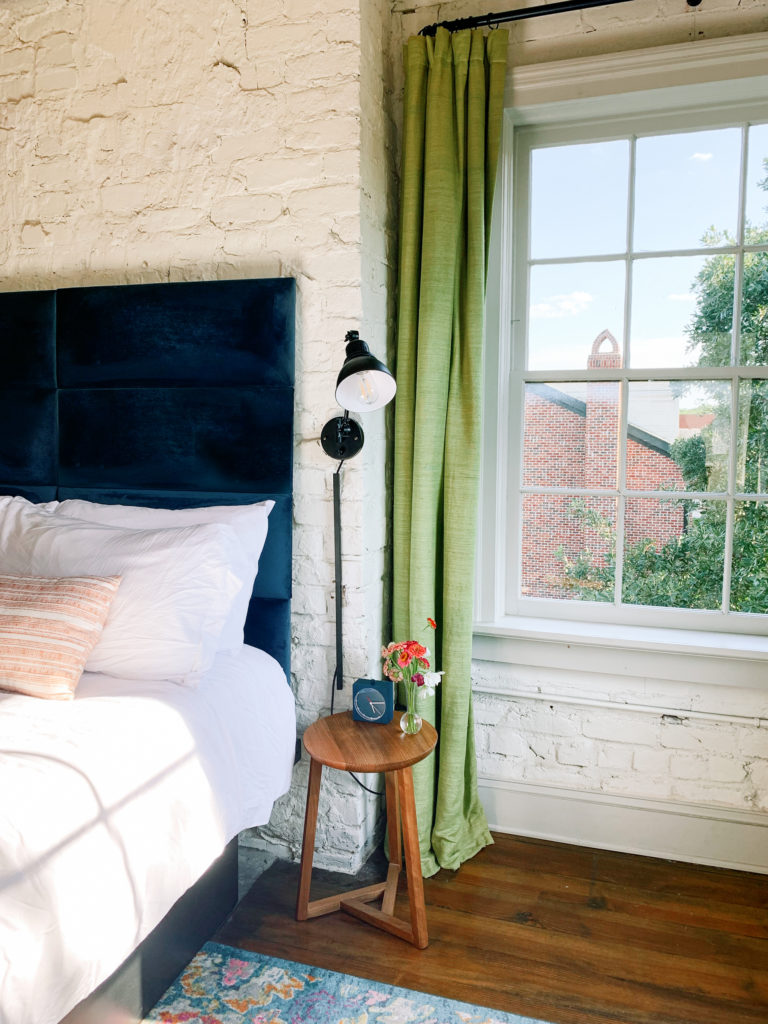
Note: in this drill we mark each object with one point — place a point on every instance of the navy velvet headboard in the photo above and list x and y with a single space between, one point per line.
167 395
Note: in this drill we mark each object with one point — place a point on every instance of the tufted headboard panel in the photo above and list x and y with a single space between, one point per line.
166 395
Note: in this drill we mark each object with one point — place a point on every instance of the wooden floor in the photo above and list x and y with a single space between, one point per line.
559 933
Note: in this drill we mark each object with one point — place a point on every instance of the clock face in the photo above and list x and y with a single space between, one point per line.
370 704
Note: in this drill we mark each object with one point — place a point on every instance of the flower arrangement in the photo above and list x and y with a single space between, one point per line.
408 663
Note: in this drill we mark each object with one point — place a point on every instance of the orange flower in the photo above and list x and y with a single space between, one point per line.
415 649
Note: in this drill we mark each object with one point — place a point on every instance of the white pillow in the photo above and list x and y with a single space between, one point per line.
248 521
177 590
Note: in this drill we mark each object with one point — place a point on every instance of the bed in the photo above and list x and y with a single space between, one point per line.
118 828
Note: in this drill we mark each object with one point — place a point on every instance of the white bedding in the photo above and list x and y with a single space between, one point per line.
113 804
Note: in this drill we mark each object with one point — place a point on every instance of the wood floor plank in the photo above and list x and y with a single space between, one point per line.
640 925
561 934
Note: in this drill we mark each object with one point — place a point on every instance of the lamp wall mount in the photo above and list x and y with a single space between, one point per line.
342 438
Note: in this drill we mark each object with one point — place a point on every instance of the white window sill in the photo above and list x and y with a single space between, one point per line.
724 659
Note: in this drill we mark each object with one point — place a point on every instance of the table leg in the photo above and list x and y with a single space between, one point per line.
412 858
308 842
403 836
306 908
414 930
395 843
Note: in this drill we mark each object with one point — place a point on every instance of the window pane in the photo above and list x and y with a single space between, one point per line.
682 311
571 435
673 552
678 435
568 547
687 186
752 449
754 302
570 307
749 570
757 179
579 199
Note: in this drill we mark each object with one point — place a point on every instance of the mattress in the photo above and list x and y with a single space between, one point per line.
113 804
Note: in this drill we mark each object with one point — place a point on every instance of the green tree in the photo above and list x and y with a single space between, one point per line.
710 331
683 572
712 322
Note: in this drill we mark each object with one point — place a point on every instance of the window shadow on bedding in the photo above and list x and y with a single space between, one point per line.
103 818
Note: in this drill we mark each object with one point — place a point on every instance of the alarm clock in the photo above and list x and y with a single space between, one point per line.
373 700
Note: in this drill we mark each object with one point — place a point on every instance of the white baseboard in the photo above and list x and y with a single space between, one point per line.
717 836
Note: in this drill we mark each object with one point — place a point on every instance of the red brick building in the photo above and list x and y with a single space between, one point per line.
573 442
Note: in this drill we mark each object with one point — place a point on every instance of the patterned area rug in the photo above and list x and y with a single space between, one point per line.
223 985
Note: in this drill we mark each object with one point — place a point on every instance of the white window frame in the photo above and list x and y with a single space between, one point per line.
651 86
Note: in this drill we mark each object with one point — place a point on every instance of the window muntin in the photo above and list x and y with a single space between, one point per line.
578 537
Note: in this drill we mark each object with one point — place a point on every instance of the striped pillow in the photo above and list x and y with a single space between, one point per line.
48 627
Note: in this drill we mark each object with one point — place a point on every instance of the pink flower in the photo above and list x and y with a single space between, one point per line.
418 678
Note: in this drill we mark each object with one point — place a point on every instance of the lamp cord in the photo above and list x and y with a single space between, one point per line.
333 686
337 682
367 790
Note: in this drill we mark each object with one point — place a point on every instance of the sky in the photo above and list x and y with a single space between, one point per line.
685 184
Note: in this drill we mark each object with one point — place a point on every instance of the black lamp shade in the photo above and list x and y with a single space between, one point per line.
364 382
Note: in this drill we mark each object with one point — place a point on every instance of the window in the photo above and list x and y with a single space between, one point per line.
629 426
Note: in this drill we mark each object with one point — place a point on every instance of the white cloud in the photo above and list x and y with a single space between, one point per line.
557 306
682 297
671 350
702 156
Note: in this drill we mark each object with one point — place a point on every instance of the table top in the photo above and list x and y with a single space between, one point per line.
340 741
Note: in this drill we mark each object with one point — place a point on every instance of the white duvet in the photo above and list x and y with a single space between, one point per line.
113 804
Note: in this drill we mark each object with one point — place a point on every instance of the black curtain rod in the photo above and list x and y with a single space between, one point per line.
556 7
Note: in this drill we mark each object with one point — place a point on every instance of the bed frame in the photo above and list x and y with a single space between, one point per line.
166 395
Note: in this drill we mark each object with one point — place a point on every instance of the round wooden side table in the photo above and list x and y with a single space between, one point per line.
339 741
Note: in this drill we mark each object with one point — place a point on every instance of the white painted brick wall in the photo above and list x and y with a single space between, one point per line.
149 142
653 754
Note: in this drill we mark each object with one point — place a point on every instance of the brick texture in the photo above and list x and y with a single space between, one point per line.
573 443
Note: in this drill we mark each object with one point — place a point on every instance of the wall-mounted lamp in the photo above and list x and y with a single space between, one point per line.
363 385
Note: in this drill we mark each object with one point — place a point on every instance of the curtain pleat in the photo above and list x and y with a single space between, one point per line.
452 124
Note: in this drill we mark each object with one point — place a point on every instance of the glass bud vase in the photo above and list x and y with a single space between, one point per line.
410 722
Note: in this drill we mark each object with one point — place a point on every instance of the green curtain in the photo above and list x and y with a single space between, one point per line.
454 92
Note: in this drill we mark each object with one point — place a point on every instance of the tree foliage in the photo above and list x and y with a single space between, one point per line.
711 325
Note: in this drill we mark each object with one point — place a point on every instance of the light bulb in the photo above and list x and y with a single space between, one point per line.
365 390
368 392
